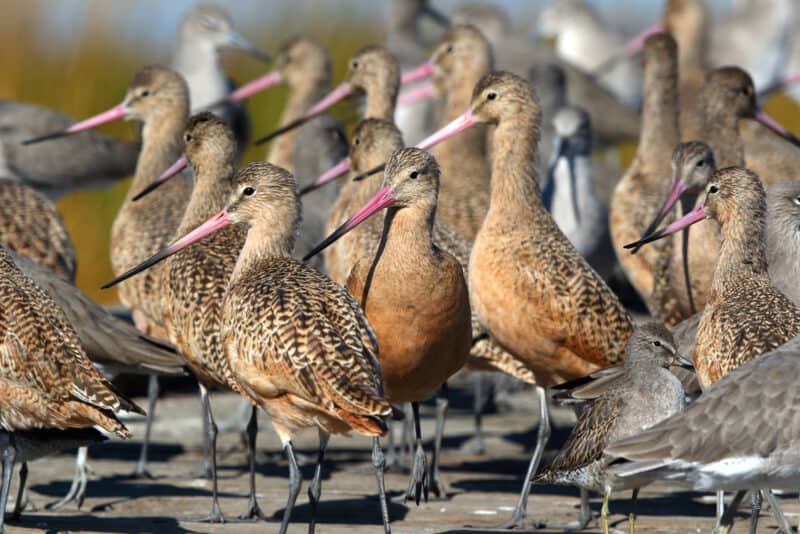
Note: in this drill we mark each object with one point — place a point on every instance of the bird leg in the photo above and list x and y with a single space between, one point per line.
216 514
315 489
253 510
418 486
437 485
19 504
518 517
9 455
77 490
294 485
586 511
755 508
407 444
725 523
604 512
205 470
783 523
632 513
720 504
475 445
379 462
141 470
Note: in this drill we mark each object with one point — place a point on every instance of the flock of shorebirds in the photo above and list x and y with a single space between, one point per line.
455 253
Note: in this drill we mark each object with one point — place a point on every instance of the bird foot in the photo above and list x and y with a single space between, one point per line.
214 517
253 512
204 472
141 472
77 490
418 486
437 486
474 445
518 521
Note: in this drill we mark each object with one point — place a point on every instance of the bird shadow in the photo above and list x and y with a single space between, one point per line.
361 511
91 523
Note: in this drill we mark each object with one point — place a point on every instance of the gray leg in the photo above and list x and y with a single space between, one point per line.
393 454
216 514
20 502
380 462
476 445
725 522
77 490
437 485
783 523
407 444
315 489
586 511
720 505
518 517
205 471
418 486
253 510
294 486
141 470
9 455
755 506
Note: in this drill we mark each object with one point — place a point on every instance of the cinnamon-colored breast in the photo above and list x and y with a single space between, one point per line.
542 301
421 317
31 226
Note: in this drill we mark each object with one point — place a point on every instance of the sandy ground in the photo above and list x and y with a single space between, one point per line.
482 489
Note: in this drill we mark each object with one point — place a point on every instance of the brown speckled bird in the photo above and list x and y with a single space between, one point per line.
636 197
532 291
746 315
297 343
617 402
47 380
413 292
462 57
30 225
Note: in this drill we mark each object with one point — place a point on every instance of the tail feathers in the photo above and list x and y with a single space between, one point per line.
368 425
125 403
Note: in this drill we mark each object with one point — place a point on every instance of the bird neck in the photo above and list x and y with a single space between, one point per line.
161 147
265 241
515 182
212 187
742 253
660 131
302 96
407 235
198 62
381 100
721 132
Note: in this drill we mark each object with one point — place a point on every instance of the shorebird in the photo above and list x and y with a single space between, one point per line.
48 382
745 315
569 193
616 403
783 225
31 226
709 450
462 57
423 324
635 200
404 41
523 271
205 30
275 305
584 40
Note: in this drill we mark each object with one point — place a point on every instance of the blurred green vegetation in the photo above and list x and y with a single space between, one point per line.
92 74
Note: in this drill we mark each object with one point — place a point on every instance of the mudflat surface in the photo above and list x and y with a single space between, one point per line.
482 488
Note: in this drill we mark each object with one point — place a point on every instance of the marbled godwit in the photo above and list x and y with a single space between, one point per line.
204 31
48 382
695 447
619 402
635 200
783 221
403 39
523 270
424 324
585 41
194 282
569 193
31 226
745 315
462 57
276 305
82 161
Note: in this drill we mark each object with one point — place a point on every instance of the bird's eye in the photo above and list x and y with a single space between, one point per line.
701 163
449 49
248 191
796 200
492 95
657 343
414 174
356 141
713 189
188 137
354 64
745 90
144 93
